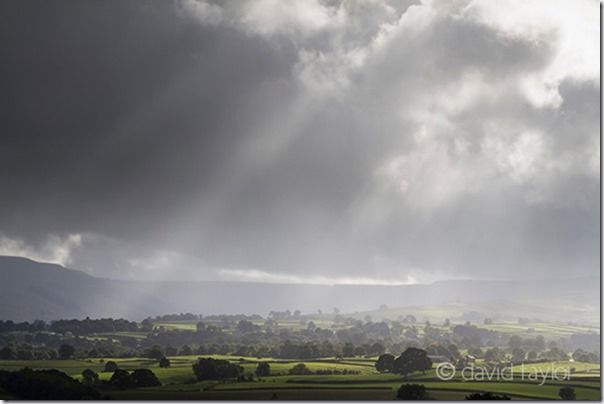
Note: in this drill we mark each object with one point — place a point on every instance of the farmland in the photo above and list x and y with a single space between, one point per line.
523 360
178 380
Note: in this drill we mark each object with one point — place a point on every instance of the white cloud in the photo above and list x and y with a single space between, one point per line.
572 26
54 249
254 275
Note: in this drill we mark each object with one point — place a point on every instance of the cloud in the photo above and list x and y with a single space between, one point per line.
53 249
338 141
254 275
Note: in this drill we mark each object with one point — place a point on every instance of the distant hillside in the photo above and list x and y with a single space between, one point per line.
30 290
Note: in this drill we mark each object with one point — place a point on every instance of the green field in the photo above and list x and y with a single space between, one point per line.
178 380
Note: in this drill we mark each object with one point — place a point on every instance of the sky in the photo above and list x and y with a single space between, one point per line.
327 142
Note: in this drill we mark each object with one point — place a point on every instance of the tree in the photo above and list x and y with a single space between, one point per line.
215 369
385 363
120 379
515 342
300 369
186 350
48 384
245 326
487 396
164 362
110 366
66 351
377 349
493 354
154 352
410 318
90 377
263 369
413 359
567 393
359 351
348 350
147 325
518 355
412 392
453 351
144 378
475 352
8 353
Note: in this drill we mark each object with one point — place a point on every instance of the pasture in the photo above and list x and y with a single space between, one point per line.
178 380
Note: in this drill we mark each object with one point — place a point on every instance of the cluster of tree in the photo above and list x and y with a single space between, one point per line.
92 326
450 351
10 326
300 369
589 342
216 369
322 372
249 336
467 335
178 317
27 352
51 384
411 360
582 356
123 379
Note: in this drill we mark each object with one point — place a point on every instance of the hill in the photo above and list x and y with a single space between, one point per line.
31 290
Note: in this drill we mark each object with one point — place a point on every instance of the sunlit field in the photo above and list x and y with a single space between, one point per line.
339 377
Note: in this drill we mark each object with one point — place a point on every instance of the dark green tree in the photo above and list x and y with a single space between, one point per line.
348 350
49 384
385 363
300 369
8 353
412 392
412 360
110 366
263 369
567 393
90 377
164 362
66 351
144 378
487 396
120 379
154 352
216 369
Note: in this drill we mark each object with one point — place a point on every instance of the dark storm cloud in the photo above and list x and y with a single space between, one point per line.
112 110
341 141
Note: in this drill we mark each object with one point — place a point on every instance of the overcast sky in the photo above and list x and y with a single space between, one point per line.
309 141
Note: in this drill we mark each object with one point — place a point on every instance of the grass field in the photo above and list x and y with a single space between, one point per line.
178 380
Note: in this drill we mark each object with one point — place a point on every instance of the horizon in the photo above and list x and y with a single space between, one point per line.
379 283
